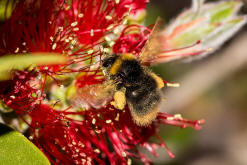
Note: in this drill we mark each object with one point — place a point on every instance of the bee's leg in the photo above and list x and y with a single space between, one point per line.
119 99
158 80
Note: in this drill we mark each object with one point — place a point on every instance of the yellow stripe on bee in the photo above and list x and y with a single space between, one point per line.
115 67
117 64
158 80
127 56
145 119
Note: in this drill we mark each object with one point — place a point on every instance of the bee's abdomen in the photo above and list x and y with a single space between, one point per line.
144 96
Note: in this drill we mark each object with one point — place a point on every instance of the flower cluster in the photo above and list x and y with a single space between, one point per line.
42 95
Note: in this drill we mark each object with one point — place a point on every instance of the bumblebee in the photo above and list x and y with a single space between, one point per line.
135 85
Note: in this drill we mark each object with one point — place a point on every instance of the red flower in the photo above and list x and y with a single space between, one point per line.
77 29
131 40
18 93
103 135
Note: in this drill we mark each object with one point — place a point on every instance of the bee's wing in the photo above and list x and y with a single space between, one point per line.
95 96
153 45
155 49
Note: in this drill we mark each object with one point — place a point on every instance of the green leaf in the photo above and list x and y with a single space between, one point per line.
193 35
15 149
6 8
222 11
22 61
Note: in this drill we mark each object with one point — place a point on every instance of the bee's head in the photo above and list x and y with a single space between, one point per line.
107 63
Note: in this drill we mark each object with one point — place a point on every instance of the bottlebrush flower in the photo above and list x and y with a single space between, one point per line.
82 31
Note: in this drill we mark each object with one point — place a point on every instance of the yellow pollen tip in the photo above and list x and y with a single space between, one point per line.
108 121
178 116
173 85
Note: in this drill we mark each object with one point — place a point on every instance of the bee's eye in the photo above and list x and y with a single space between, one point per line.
108 62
